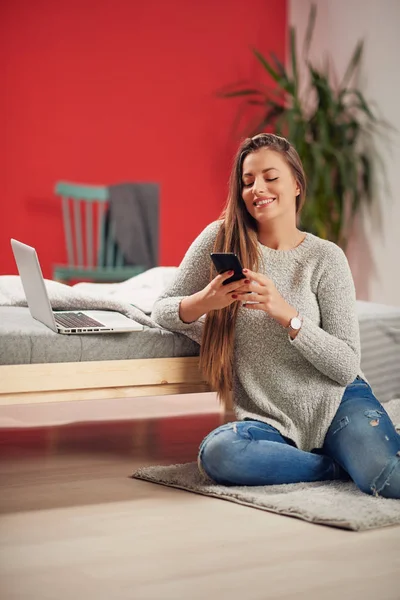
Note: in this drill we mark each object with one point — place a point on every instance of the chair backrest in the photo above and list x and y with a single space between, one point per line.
89 234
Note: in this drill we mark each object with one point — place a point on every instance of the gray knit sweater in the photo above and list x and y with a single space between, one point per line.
295 385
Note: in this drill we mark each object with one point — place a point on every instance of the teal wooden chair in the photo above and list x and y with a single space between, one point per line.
92 251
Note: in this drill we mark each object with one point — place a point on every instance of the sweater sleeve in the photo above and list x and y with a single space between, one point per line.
334 347
192 276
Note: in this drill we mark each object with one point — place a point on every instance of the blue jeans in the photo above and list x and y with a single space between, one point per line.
361 445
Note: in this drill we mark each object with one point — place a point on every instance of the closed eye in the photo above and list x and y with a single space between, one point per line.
250 184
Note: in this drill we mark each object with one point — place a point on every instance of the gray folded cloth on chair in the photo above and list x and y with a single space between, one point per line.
134 211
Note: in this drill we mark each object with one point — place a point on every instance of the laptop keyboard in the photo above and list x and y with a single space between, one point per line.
77 319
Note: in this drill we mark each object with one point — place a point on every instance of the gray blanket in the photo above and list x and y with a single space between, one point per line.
64 297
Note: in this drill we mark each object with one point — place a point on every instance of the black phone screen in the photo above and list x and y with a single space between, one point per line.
228 261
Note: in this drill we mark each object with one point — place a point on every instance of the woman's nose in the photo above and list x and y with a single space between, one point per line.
259 187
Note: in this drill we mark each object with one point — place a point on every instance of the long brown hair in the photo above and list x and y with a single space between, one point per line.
238 234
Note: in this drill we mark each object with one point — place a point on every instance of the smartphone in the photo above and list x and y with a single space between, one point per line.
228 261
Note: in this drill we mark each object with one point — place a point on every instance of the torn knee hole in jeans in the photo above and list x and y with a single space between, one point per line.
374 415
246 433
235 429
342 423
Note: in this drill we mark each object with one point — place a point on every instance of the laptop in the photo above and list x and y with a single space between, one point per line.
77 322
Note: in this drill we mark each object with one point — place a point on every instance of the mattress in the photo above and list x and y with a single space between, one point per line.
380 348
24 340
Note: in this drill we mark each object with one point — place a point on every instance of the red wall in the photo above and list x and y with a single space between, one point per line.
103 91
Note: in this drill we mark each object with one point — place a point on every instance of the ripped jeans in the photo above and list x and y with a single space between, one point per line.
361 444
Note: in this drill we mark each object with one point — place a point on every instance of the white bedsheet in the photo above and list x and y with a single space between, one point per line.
142 290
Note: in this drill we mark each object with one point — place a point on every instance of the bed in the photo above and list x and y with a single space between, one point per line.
38 365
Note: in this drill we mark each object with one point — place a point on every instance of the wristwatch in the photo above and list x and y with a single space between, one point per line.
295 323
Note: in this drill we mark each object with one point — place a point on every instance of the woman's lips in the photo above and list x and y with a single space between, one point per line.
263 202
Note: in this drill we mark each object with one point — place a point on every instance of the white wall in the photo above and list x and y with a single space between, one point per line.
374 249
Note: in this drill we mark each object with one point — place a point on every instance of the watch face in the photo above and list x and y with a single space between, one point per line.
295 323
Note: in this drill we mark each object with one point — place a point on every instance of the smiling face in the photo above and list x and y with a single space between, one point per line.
269 188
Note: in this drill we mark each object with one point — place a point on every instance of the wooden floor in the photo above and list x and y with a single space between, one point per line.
74 525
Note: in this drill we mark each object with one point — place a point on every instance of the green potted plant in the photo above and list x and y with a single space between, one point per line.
332 127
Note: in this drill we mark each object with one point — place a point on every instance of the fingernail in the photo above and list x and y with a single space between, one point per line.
231 272
244 270
247 280
234 296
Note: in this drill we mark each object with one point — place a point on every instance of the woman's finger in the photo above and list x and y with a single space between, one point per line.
252 297
244 289
260 279
257 306
224 276
230 287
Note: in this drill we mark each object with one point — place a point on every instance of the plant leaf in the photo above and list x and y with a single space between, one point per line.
362 102
241 93
281 81
279 66
275 76
353 64
286 82
366 176
293 58
310 30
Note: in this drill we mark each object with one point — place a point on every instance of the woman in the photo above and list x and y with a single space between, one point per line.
285 339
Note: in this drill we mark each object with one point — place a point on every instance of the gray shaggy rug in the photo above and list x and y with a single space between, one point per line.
335 503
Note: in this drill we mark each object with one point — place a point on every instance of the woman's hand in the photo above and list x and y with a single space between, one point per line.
213 297
266 296
217 296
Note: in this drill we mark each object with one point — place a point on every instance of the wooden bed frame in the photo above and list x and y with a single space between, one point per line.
93 380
